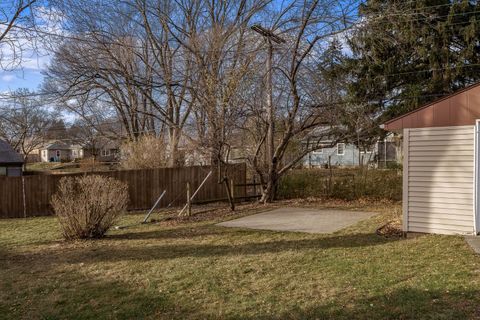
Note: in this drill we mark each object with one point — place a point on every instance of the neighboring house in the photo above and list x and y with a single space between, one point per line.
11 162
384 153
57 151
340 154
60 151
103 151
441 166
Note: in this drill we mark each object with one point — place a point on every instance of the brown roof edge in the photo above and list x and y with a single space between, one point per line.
382 126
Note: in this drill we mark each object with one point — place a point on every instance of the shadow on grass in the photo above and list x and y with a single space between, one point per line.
100 299
403 303
106 251
71 295
175 233
54 294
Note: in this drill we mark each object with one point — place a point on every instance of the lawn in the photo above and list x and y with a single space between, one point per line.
67 167
196 270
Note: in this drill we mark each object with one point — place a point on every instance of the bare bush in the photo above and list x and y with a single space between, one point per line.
88 206
146 153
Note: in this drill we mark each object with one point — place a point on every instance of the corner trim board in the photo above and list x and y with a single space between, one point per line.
406 138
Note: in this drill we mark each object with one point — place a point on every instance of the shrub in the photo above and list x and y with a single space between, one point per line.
88 206
146 153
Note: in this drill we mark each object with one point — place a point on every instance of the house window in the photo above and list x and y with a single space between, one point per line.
44 152
340 149
318 151
105 152
58 153
74 153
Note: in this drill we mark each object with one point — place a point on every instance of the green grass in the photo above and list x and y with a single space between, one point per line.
196 270
43 166
66 167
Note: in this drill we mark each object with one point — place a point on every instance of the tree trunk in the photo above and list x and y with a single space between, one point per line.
173 158
270 189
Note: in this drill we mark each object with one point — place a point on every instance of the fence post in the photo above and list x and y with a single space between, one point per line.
232 190
329 176
24 198
189 201
229 194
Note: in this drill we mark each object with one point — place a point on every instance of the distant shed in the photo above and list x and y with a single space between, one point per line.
11 162
441 164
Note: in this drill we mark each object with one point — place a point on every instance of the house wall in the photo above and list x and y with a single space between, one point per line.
102 155
76 153
32 158
438 195
349 158
47 154
11 170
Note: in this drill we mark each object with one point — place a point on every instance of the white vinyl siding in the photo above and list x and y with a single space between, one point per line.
438 181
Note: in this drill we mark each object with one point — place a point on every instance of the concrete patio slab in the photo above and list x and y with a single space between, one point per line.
474 242
300 220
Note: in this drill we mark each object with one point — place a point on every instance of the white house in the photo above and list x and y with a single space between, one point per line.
60 151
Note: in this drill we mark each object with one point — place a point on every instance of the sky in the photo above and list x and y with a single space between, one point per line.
28 74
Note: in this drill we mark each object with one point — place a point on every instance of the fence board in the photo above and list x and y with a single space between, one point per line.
144 187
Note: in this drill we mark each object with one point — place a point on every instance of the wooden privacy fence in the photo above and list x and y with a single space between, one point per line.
144 187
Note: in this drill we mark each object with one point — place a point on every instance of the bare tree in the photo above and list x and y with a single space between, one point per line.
99 79
138 74
18 28
194 70
24 121
217 39
170 62
298 108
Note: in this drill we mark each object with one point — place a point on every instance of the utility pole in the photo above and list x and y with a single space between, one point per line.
270 37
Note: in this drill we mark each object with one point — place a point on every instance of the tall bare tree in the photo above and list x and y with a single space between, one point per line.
217 39
18 30
24 121
295 107
194 70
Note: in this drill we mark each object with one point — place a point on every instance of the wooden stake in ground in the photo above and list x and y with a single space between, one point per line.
195 193
229 195
154 206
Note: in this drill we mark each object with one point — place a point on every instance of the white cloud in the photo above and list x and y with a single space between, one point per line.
8 77
24 55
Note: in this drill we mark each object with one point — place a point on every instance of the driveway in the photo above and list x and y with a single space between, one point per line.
300 220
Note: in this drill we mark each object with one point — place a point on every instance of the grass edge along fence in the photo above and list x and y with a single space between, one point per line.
345 184
144 187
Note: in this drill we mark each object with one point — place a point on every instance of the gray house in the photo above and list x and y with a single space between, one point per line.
11 162
342 154
382 154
